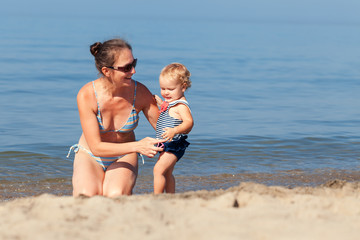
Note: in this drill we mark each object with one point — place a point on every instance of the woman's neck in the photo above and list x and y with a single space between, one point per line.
114 87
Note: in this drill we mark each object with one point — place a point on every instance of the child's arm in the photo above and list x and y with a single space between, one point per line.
185 127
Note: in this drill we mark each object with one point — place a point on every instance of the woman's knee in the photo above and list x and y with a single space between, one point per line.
124 188
86 191
119 186
118 192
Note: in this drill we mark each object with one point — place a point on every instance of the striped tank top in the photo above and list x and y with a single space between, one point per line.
165 120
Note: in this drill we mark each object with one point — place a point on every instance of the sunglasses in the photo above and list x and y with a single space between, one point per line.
127 67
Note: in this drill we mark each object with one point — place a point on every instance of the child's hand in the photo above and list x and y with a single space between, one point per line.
168 134
158 100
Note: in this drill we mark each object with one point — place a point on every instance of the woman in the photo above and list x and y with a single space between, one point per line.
106 156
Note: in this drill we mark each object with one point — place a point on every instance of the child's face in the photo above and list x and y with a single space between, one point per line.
171 89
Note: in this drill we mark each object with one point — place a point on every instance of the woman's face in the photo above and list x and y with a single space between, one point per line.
124 58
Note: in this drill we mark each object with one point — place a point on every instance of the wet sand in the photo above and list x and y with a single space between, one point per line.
10 190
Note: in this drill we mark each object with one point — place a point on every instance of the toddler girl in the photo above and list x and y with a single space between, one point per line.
173 125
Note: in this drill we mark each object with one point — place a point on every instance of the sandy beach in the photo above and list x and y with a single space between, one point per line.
248 211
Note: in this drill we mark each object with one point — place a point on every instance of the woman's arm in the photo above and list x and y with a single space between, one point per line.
148 105
158 100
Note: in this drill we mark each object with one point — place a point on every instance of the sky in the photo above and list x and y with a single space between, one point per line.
336 11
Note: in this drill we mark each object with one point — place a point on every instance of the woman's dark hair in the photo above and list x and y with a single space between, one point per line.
106 53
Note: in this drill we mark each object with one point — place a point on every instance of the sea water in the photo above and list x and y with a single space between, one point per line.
273 102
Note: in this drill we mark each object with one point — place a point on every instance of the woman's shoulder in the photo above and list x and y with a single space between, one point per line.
140 86
143 95
86 91
142 90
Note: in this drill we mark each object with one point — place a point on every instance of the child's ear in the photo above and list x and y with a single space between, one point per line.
184 87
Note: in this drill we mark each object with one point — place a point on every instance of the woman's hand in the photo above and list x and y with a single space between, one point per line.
158 100
147 146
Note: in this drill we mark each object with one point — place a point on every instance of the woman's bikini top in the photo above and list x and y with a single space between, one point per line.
130 124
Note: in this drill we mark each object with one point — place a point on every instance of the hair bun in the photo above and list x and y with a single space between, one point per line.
94 49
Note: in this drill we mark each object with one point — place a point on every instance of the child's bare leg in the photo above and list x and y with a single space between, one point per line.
165 163
170 181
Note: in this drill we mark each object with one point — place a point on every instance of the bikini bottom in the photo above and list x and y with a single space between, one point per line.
104 162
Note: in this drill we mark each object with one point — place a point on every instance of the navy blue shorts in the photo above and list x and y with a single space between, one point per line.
177 147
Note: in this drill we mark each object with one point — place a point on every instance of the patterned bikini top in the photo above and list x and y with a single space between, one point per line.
165 120
130 124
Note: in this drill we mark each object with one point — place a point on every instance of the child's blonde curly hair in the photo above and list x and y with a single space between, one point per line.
179 72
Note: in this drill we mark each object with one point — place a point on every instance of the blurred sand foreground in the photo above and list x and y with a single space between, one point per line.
248 211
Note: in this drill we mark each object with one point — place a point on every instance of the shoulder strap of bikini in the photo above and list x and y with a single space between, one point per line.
97 102
135 93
